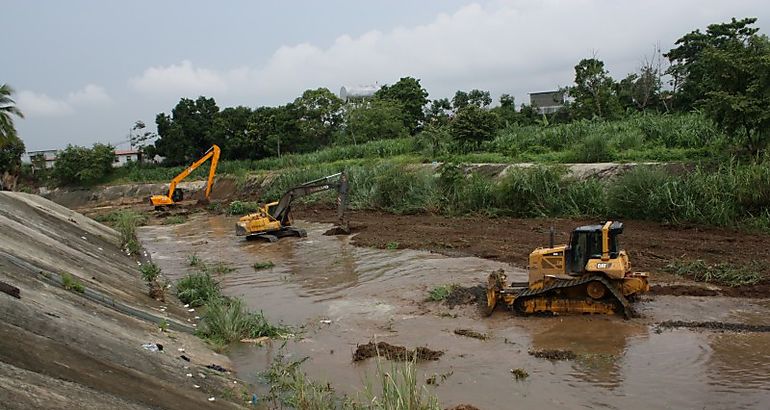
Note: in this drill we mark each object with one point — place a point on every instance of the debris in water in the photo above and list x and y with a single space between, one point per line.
189 375
392 352
326 322
519 373
466 295
185 358
211 399
553 354
719 326
196 386
471 333
191 310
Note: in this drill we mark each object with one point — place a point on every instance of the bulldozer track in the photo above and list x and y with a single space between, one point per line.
567 283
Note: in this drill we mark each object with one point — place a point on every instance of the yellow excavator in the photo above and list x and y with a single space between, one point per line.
177 195
589 275
273 220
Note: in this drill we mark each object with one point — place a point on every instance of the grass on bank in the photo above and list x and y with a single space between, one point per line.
720 273
394 387
125 221
638 137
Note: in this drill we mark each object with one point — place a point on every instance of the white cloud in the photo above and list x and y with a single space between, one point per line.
42 105
508 46
177 79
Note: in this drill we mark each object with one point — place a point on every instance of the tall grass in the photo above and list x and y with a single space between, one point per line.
197 289
125 222
397 387
226 320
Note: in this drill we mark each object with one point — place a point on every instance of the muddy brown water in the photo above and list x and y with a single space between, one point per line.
373 294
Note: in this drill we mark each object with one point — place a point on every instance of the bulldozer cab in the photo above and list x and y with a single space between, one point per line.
586 242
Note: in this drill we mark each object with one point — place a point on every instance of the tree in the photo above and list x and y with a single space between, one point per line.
506 111
688 68
7 110
231 132
479 98
84 166
186 134
319 116
460 100
594 91
409 93
10 162
378 119
640 91
438 112
472 125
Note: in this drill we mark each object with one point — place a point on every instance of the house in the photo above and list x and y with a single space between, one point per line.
47 158
126 156
42 158
547 102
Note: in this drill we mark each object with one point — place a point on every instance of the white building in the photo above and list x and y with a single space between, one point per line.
126 156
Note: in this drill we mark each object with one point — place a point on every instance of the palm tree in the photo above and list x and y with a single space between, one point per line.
7 107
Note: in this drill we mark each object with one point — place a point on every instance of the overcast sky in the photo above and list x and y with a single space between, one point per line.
85 70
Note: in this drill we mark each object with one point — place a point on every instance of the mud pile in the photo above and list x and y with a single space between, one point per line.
78 330
553 354
718 326
466 295
471 333
392 352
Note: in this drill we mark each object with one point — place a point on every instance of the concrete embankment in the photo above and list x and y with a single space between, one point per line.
98 346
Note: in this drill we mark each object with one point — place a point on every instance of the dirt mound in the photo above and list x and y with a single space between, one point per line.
345 230
651 246
760 290
719 326
553 354
682 290
392 352
471 333
466 295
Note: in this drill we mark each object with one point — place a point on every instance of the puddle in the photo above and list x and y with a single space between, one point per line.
344 296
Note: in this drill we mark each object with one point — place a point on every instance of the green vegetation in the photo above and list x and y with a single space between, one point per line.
242 208
84 166
392 245
70 283
263 265
394 388
440 293
175 220
151 275
720 273
150 272
196 289
194 260
126 222
519 373
226 320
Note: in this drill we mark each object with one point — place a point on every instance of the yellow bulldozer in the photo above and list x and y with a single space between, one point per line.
591 274
177 195
273 220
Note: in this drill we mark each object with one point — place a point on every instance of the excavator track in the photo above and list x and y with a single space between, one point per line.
528 294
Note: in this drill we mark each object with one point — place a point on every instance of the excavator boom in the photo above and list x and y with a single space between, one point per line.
165 200
274 219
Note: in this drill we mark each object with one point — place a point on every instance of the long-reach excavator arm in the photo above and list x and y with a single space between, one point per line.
274 219
174 195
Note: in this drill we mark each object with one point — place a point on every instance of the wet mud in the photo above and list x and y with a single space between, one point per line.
471 333
717 326
336 294
553 354
466 295
391 352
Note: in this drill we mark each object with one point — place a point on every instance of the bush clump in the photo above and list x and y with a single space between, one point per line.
197 289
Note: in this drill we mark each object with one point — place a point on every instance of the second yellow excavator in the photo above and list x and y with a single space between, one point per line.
591 274
176 195
273 220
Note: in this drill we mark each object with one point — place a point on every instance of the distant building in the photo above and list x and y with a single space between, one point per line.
547 102
126 156
47 158
358 93
42 158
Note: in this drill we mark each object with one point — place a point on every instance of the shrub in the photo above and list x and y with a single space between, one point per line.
242 208
226 321
197 289
594 148
263 265
440 293
70 283
126 222
720 273
150 272
84 166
